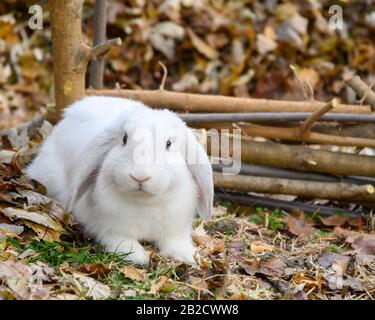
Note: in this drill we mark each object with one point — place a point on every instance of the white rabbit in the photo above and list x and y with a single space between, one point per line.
100 163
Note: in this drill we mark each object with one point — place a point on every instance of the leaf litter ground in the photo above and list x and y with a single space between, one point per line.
244 252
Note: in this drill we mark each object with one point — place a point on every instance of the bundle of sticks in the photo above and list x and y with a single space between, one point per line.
287 161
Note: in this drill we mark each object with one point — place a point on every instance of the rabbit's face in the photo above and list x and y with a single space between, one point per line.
146 160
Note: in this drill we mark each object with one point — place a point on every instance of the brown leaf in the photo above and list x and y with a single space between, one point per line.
94 269
236 249
333 221
156 287
273 267
44 233
10 230
201 237
299 226
200 283
338 221
354 284
260 247
328 258
91 287
202 46
365 246
16 275
133 273
308 280
33 216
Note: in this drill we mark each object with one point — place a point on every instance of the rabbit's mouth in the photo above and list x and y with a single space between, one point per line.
141 192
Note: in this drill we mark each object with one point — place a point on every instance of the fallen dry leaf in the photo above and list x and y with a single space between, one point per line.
365 246
335 220
273 267
299 227
94 269
338 221
328 258
133 273
156 287
33 216
201 237
260 247
91 287
17 276
44 233
236 249
308 280
10 230
202 46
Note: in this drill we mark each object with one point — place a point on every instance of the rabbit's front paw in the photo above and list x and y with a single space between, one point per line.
138 257
132 250
179 250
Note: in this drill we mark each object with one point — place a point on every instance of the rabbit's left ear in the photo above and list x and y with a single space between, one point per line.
200 167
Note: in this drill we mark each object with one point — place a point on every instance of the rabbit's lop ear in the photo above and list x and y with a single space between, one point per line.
88 167
200 167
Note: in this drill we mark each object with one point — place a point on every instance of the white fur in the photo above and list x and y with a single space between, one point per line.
112 209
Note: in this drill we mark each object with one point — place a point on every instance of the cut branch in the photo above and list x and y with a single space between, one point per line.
300 188
271 172
350 130
257 201
215 103
273 117
303 132
101 49
302 158
362 90
309 122
293 134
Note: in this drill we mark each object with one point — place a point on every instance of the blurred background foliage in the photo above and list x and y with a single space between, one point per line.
240 48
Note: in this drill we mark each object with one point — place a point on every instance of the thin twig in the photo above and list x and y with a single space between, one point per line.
165 73
309 122
307 89
362 90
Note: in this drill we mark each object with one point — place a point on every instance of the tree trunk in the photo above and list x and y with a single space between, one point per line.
69 51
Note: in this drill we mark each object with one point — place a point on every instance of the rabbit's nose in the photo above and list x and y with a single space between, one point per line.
140 180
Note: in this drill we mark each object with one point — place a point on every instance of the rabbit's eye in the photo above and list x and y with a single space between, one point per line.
125 138
169 143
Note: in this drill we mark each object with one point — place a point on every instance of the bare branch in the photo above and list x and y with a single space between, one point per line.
100 28
309 122
165 73
273 117
305 189
293 134
362 90
101 49
252 200
191 102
